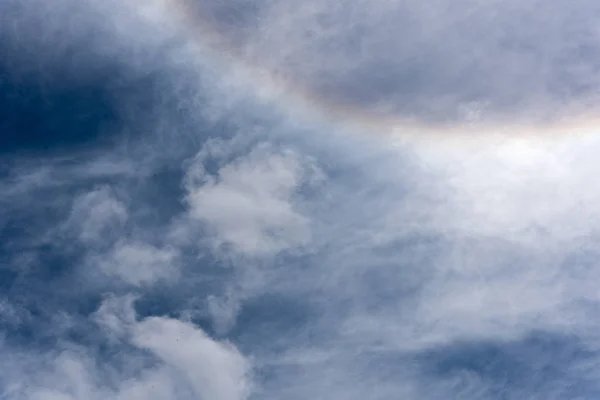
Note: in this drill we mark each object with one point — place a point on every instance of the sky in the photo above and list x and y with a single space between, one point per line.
244 200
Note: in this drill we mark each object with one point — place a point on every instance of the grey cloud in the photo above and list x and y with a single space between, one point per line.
436 60
95 214
328 265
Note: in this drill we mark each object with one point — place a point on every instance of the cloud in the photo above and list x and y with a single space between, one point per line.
285 257
186 364
215 370
96 215
139 264
249 202
434 60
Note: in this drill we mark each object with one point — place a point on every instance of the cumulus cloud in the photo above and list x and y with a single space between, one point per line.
249 202
185 363
215 370
139 263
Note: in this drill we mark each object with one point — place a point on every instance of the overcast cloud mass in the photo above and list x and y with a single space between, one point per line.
181 216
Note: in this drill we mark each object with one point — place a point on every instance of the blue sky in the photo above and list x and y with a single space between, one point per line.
173 225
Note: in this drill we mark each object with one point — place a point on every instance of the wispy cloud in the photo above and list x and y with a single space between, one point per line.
222 247
184 364
249 202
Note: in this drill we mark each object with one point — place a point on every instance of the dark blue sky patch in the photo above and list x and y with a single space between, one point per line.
162 194
539 363
85 99
39 117
271 321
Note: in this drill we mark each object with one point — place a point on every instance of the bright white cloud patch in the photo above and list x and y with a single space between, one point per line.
139 264
214 370
187 364
249 201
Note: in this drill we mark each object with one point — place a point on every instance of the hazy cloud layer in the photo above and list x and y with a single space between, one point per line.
437 60
173 227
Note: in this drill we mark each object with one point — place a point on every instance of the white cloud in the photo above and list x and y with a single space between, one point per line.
97 216
116 315
139 264
249 203
215 370
102 223
188 364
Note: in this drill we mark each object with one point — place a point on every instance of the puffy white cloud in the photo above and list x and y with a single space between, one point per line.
249 203
187 364
139 264
214 370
